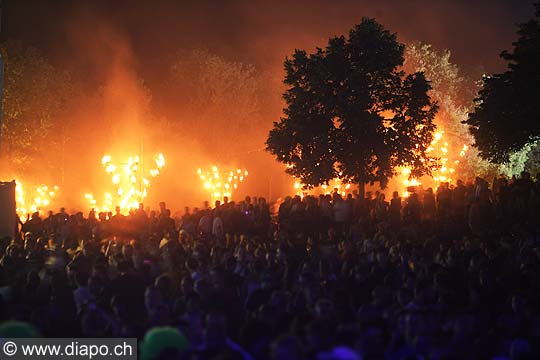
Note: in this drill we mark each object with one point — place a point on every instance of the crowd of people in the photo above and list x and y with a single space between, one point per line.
445 274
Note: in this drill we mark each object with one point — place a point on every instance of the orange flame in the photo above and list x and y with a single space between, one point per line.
221 184
35 201
131 186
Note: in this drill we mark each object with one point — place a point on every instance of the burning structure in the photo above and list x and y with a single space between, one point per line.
130 182
221 184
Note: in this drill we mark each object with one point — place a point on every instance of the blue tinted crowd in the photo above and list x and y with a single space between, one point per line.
445 274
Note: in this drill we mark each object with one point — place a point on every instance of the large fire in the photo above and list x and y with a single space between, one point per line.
129 181
221 184
38 199
444 170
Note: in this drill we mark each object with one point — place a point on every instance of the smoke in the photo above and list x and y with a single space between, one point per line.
261 32
120 55
207 111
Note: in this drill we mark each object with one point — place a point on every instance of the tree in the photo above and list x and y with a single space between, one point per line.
217 96
454 93
507 111
352 113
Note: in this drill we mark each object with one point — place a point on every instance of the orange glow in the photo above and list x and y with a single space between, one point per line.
37 200
333 185
439 151
130 184
442 153
221 184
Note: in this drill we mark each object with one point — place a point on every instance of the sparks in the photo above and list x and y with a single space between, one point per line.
221 184
441 153
334 185
130 183
41 198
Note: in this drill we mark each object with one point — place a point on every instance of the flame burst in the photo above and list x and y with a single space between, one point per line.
334 185
37 200
129 181
221 184
443 171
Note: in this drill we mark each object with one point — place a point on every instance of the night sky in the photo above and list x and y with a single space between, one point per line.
262 32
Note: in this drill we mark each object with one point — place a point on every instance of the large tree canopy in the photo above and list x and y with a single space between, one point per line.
506 117
352 112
